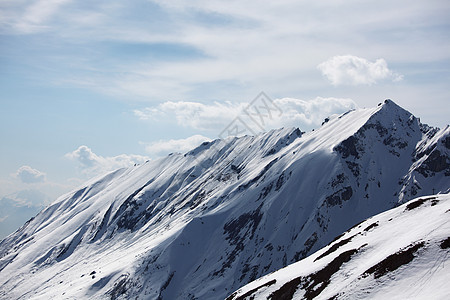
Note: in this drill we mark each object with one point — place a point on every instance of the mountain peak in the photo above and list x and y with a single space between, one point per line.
389 105
203 224
390 102
392 110
392 119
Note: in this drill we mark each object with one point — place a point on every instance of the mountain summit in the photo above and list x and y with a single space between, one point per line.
201 225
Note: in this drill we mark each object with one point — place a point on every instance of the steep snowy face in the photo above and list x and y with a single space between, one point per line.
205 223
431 161
399 254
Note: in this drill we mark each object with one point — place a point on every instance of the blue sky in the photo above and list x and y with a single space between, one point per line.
87 87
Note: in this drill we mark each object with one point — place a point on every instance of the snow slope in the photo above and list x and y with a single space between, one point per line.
402 253
202 224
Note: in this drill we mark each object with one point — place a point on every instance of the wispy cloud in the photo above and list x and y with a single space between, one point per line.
194 114
93 164
227 40
28 17
29 198
353 70
29 175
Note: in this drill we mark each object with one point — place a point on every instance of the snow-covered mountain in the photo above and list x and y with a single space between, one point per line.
17 208
203 224
399 254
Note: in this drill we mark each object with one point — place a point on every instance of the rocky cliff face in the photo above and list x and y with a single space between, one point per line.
202 224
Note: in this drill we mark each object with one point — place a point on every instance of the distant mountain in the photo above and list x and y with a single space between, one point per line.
399 254
17 208
203 224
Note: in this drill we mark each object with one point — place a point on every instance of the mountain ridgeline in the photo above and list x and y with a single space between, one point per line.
201 225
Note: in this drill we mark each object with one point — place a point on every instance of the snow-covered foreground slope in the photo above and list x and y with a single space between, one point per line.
203 224
403 253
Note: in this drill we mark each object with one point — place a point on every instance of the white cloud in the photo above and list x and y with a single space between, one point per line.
297 36
305 114
85 156
309 114
353 70
91 163
29 175
164 147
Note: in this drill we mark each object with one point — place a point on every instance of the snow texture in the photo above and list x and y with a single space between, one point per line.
203 224
399 254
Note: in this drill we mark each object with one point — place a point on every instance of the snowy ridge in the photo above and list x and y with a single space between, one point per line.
399 254
203 224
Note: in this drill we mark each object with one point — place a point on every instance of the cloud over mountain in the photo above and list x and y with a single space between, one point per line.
92 163
305 114
175 145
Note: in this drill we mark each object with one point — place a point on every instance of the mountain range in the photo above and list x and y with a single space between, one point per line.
203 224
18 207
